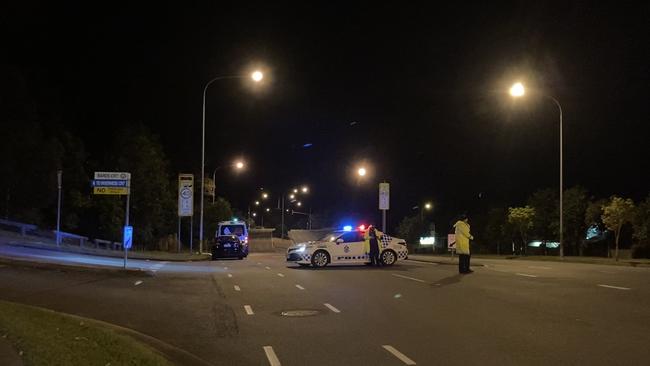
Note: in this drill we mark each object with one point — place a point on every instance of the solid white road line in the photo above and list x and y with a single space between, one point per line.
332 308
137 283
280 274
402 357
237 288
300 287
267 267
229 275
248 309
270 355
615 287
525 275
409 278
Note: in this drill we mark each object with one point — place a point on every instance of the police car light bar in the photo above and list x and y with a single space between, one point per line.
347 228
362 227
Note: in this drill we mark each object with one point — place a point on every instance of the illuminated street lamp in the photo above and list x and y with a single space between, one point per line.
305 189
256 76
362 172
265 195
517 90
257 203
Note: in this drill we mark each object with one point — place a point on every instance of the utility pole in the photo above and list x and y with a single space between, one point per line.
59 176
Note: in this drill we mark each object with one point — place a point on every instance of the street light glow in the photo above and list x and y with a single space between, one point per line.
292 196
295 190
265 195
239 165
427 206
299 204
305 189
362 172
257 76
517 90
257 203
268 210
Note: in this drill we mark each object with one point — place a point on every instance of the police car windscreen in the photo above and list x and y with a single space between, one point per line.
232 230
330 236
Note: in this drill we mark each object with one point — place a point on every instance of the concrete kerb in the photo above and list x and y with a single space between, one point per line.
22 263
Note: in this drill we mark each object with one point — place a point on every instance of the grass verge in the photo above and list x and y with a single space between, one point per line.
49 338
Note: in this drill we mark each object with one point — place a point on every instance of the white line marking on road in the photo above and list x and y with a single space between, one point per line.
300 287
332 308
409 278
615 287
137 283
259 263
270 355
226 268
280 274
267 267
402 357
539 267
248 309
237 288
229 275
525 275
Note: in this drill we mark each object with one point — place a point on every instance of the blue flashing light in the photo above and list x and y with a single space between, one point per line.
235 219
347 228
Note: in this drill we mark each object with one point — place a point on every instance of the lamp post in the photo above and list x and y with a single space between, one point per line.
518 90
292 198
257 77
239 165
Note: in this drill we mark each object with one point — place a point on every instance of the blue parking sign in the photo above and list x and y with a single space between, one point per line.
127 238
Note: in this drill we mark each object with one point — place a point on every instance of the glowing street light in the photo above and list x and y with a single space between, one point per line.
305 189
239 165
257 203
299 204
292 196
428 205
257 76
362 172
517 90
265 195
268 210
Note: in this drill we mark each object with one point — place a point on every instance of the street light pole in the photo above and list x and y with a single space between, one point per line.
561 178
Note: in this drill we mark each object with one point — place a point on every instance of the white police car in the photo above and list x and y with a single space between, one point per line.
345 247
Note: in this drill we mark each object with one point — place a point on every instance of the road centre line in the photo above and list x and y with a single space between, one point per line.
267 267
409 278
248 309
332 308
271 356
280 274
237 288
300 287
615 287
137 283
229 275
402 357
525 275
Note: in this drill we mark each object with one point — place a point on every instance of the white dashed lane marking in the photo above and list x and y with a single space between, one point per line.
271 356
229 275
300 287
525 275
267 267
615 287
402 357
332 308
248 309
280 274
409 278
237 288
137 283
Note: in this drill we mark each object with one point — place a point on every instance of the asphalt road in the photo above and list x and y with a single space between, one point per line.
230 312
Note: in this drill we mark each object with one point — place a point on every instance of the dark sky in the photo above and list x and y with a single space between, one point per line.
416 92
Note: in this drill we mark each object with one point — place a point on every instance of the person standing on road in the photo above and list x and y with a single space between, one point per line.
462 244
371 245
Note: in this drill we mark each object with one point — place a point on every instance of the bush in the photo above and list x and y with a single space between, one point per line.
641 250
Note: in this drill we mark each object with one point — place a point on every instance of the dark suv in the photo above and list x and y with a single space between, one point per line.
228 246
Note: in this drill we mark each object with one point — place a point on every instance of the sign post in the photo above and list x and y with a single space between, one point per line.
451 243
59 174
185 203
116 183
384 202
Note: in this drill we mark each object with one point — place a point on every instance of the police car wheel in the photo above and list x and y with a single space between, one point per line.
319 259
388 257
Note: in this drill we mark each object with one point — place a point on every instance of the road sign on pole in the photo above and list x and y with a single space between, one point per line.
185 195
113 175
127 237
384 196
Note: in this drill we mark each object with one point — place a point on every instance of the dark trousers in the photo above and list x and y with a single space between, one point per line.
463 263
374 252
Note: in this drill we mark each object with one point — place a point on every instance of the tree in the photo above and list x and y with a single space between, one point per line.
411 228
546 221
220 210
522 218
575 206
494 229
153 208
641 225
617 213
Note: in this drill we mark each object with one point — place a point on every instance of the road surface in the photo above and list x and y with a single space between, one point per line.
263 311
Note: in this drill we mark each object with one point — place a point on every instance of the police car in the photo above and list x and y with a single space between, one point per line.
345 247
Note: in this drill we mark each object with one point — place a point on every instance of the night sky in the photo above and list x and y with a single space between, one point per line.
418 93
